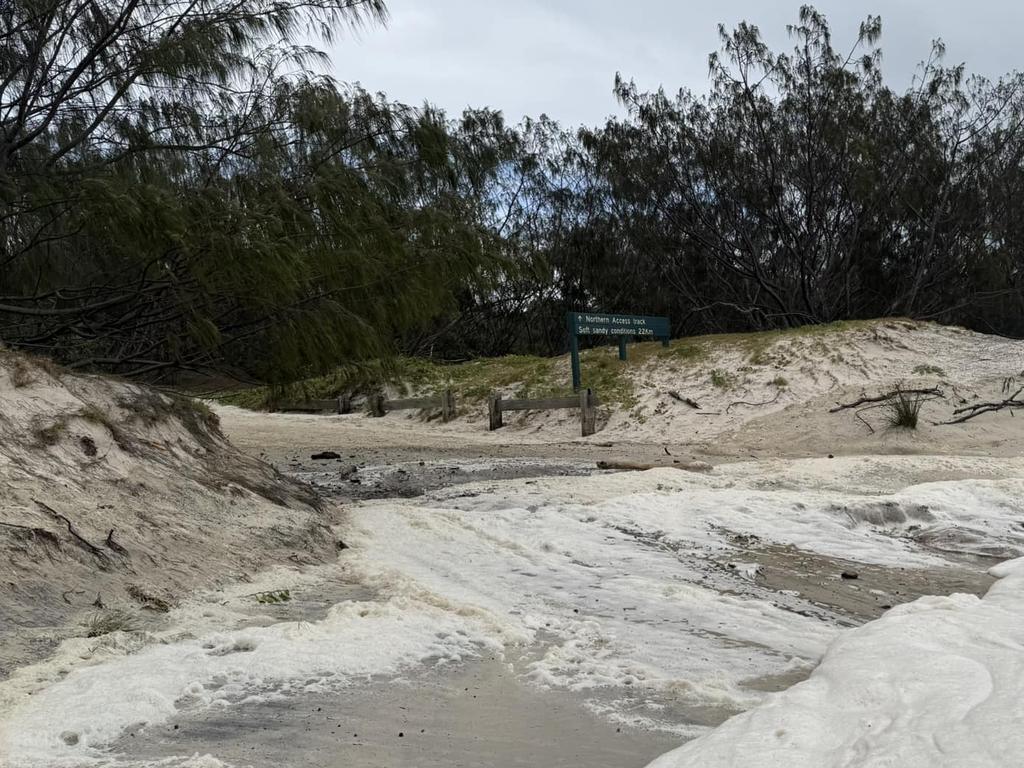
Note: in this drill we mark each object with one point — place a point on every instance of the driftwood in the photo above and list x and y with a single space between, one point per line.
689 401
970 411
638 466
82 541
754 405
934 391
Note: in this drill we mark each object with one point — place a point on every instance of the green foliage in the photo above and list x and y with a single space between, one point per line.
928 370
800 190
179 191
722 379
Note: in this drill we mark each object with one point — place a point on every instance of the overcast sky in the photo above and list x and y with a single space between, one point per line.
560 57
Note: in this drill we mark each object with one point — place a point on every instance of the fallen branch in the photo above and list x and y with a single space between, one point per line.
864 421
636 466
1012 399
83 542
934 391
689 401
970 411
753 405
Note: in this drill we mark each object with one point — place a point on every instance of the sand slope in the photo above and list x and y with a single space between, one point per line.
113 495
760 395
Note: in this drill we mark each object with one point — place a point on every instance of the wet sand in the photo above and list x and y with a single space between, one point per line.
873 590
477 715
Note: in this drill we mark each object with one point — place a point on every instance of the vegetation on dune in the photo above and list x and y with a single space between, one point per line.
114 620
536 377
903 409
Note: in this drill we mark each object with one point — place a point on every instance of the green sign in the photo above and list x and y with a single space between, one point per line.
622 327
601 324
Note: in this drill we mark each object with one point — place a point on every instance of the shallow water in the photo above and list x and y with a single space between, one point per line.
474 714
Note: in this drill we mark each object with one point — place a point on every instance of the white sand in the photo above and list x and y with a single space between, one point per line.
933 684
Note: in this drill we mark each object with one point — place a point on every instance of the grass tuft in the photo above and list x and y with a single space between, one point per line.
721 379
903 409
105 622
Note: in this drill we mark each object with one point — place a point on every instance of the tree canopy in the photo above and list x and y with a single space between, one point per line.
180 189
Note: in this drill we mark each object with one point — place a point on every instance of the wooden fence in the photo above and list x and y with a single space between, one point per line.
336 405
586 401
378 405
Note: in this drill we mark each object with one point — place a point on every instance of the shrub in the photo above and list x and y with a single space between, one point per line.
721 379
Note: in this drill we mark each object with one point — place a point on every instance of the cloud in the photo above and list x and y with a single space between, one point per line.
560 57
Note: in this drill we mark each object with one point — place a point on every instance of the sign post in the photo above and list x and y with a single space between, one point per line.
574 348
624 327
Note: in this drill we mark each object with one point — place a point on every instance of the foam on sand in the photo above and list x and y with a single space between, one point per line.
936 682
640 592
70 722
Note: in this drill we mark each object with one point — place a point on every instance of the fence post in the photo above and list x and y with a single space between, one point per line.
494 411
588 413
375 402
344 404
447 406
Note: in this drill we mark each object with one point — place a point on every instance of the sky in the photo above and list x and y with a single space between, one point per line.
559 57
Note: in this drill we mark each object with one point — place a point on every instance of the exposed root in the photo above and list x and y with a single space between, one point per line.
753 405
82 541
111 544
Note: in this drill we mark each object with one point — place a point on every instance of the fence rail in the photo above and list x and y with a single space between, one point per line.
378 405
336 405
586 401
